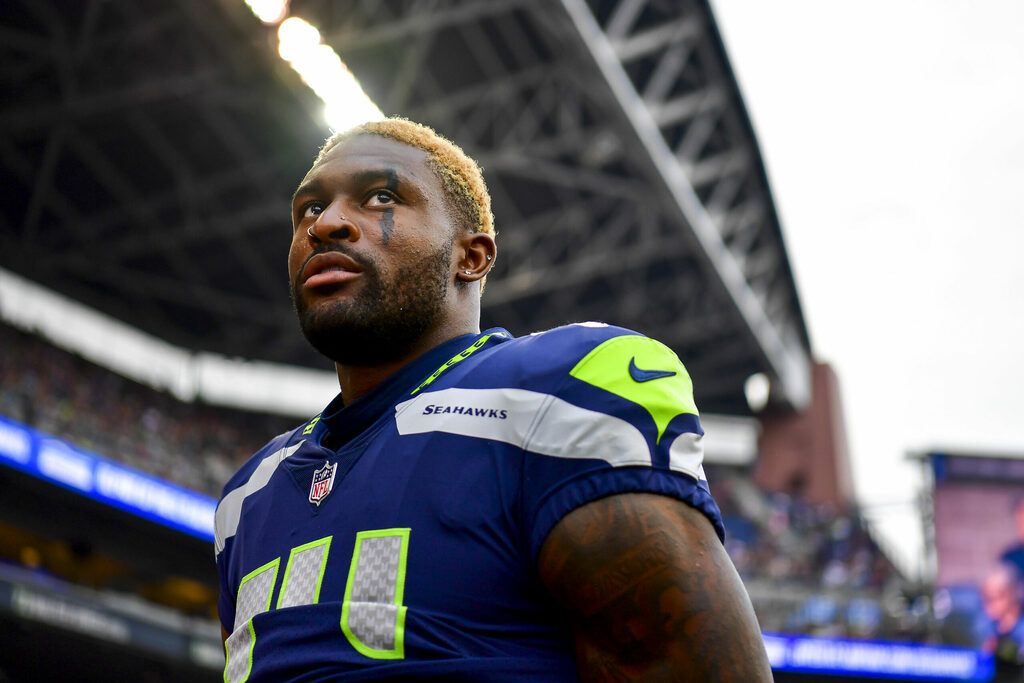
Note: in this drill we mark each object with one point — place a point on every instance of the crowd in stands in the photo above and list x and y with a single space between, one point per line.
794 541
196 445
815 570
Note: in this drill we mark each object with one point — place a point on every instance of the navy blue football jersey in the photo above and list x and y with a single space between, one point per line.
397 538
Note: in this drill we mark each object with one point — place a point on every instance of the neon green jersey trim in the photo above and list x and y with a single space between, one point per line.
309 427
454 360
612 366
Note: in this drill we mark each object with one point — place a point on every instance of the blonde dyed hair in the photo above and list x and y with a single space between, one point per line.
461 177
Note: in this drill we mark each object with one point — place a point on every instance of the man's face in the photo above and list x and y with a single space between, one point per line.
1000 595
376 273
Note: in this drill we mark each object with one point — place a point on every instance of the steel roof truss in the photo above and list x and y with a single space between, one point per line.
789 364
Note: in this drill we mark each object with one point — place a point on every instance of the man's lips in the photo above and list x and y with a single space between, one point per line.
328 269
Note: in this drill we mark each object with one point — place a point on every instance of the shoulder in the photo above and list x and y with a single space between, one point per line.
607 409
597 377
606 368
277 445
596 353
568 343
255 473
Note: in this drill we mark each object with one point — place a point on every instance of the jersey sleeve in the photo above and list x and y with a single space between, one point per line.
226 519
226 596
225 599
619 418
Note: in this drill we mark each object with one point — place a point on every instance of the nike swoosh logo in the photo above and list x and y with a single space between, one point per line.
639 375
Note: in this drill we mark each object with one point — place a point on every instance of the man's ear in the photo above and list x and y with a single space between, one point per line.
477 253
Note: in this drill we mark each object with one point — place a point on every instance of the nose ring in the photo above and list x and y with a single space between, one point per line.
309 230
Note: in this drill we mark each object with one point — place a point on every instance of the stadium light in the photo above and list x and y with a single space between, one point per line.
757 388
320 67
270 12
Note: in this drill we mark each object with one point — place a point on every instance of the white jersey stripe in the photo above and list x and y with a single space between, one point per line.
686 455
229 512
534 421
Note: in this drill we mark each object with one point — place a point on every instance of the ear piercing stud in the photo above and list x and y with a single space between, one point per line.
488 257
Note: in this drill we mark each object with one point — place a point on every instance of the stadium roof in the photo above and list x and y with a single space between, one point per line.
149 149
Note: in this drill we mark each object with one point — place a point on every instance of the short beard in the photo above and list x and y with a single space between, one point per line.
386 319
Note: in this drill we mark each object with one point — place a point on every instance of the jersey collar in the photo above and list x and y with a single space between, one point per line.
339 424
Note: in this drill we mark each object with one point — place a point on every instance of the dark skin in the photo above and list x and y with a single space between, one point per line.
645 583
651 594
384 201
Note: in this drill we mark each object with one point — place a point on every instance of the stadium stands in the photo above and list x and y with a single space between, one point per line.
57 392
814 570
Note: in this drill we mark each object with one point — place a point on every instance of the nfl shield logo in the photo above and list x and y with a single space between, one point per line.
323 482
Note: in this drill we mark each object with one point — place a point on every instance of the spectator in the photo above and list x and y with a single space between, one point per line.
1014 554
192 444
1002 595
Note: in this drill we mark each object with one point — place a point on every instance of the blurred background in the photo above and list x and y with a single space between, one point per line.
816 205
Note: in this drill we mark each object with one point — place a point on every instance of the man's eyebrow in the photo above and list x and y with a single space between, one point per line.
312 187
389 175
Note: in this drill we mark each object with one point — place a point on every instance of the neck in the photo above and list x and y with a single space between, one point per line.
358 380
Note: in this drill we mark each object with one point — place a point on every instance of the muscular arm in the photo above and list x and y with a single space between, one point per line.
652 594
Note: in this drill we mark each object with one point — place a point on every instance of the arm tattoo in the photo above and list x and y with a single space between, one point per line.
651 594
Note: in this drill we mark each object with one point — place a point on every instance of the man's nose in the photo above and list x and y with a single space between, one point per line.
332 224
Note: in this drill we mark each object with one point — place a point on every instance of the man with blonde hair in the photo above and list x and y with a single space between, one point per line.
471 506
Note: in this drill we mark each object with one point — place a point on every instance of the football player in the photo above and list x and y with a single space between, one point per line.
471 506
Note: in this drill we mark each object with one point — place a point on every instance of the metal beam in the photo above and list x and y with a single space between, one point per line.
623 17
583 268
449 106
684 107
414 22
566 176
790 365
155 288
655 39
25 171
712 169
43 182
742 219
665 74
122 190
226 226
207 189
408 73
32 116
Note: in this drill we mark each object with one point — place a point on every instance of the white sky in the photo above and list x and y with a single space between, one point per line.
893 133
